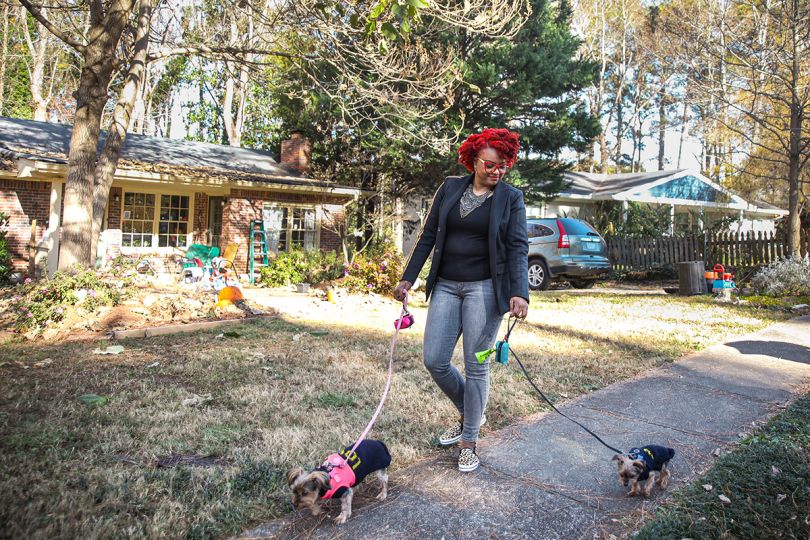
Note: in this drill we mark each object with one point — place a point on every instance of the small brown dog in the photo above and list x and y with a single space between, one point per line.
336 477
644 465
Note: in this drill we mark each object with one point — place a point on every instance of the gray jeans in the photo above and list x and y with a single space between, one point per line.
458 307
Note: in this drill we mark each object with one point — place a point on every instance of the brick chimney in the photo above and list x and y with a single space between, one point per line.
296 153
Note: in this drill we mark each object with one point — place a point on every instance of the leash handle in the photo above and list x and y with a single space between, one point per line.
391 350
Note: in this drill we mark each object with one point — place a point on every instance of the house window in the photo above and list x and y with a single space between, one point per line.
289 227
138 220
143 226
173 226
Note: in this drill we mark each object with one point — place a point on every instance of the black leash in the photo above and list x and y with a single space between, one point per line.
531 382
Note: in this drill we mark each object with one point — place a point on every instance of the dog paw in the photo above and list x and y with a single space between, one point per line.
341 519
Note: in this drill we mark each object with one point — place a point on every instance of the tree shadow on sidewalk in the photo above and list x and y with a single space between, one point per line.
774 349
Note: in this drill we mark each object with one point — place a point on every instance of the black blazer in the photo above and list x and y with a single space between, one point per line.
508 242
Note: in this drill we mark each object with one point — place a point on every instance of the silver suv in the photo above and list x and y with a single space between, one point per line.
565 249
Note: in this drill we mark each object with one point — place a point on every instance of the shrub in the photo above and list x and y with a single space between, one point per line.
5 256
299 266
377 270
787 277
46 301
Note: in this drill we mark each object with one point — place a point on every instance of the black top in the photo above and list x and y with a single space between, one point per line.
466 249
508 241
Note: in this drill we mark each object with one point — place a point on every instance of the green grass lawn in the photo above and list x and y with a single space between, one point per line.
767 483
146 465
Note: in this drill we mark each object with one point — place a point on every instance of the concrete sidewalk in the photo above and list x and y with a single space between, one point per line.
546 478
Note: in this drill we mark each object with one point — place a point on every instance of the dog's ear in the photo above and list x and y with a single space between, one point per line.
293 474
617 457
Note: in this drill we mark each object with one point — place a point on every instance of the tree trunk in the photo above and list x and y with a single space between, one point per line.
91 96
662 127
39 57
603 153
684 122
619 128
3 57
117 134
794 153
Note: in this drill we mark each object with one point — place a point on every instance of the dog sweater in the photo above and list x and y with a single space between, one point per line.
370 456
653 456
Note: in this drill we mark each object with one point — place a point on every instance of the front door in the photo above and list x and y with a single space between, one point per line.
215 205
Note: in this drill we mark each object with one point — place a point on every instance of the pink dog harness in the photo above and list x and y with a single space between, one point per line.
340 474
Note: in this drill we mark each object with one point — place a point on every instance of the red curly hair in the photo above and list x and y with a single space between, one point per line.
501 140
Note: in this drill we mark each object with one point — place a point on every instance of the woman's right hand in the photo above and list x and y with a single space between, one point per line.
402 288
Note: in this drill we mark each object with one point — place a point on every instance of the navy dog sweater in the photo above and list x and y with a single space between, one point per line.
370 456
654 457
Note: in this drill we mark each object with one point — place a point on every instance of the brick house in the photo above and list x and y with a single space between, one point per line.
168 194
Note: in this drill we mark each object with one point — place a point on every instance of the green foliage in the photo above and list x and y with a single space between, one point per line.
787 277
44 302
767 481
377 270
5 256
299 266
610 219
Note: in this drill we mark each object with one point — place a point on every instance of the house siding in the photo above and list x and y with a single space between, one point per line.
24 201
245 205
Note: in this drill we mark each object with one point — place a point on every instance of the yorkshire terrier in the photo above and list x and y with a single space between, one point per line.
337 476
644 465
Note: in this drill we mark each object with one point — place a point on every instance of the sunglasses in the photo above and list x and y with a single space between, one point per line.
491 166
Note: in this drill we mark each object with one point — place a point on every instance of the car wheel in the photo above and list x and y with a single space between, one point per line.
539 279
582 283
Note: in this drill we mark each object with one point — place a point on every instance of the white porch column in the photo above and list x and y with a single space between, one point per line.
671 219
50 239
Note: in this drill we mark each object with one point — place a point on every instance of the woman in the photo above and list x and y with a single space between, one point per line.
476 230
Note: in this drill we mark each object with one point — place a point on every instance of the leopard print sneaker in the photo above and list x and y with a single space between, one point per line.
468 460
453 434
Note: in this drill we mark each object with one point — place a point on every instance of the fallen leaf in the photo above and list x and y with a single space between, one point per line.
266 368
717 452
741 435
94 399
219 336
775 471
43 363
781 497
708 487
297 337
153 364
724 499
112 349
196 400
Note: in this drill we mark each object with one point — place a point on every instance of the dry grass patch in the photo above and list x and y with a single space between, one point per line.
277 395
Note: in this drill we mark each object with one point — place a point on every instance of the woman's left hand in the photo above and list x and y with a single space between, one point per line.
518 307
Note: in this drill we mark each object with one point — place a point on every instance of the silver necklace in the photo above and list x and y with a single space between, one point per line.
470 201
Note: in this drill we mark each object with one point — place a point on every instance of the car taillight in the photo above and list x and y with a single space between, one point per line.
563 242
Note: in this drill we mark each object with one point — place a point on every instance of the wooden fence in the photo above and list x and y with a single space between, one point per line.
737 251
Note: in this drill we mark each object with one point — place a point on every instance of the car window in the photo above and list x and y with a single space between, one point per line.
536 230
576 227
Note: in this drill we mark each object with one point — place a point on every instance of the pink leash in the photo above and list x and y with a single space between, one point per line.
405 320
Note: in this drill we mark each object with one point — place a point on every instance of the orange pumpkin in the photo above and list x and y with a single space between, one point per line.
231 294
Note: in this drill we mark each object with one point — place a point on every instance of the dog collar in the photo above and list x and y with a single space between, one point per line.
340 474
